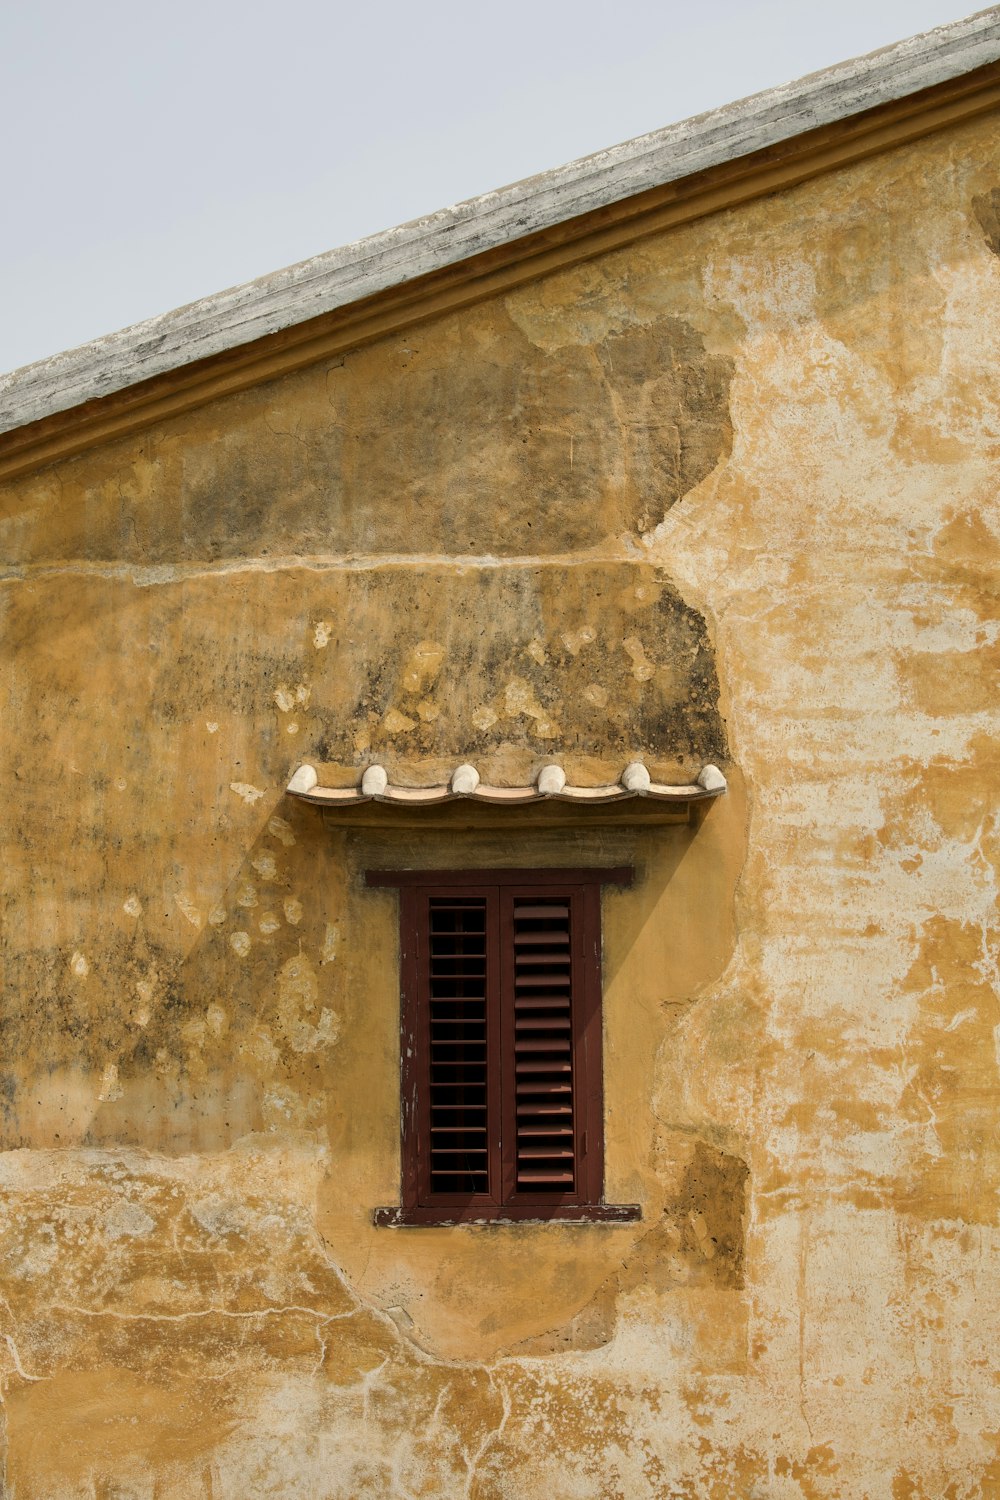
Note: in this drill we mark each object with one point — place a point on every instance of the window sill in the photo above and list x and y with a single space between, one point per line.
570 1213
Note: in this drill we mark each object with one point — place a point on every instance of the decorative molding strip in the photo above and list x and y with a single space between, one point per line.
466 786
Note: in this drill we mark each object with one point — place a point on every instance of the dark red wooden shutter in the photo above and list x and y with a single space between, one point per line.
543 1150
500 1059
459 1061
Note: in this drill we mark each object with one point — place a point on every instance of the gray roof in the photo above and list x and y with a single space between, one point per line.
338 278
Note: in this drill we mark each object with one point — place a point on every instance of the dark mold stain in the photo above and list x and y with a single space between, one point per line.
698 1240
986 208
522 626
469 439
713 1193
672 401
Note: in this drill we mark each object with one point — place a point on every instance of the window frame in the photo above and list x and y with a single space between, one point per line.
501 889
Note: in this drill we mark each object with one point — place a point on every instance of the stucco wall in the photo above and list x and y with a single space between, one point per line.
727 494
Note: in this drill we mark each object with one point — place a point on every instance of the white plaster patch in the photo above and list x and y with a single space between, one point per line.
189 910
642 668
856 981
596 695
246 894
211 726
281 830
855 685
218 1215
266 866
786 295
281 1106
284 699
217 915
306 1038
193 1034
79 966
110 1088
292 727
39 1256
259 1048
484 718
297 996
422 666
240 943
132 907
836 743
519 701
217 1020
816 804
574 640
331 942
961 1018
268 923
293 911
126 1219
322 632
397 723
250 794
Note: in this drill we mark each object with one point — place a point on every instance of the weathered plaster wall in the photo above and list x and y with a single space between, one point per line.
729 494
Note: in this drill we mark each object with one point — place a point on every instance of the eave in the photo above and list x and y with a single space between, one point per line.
550 799
284 322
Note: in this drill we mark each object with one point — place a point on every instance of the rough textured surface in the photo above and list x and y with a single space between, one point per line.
582 439
759 457
344 276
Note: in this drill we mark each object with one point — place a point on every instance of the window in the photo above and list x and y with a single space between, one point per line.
501 1083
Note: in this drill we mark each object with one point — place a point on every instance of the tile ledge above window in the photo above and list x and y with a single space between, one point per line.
550 786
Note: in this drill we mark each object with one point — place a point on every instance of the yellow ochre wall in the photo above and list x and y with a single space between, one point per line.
727 494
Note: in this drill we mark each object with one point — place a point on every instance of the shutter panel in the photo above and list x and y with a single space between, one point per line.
500 1046
544 1154
458 1079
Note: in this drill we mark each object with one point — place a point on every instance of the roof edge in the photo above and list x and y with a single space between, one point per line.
411 253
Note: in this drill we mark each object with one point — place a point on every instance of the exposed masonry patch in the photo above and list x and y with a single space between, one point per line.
574 447
986 207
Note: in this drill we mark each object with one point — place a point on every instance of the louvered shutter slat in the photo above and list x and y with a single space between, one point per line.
459 1148
544 1157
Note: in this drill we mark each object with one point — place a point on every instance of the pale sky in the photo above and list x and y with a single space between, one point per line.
158 153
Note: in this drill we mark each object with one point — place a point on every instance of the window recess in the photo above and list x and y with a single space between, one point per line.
501 1089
